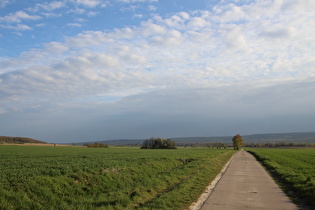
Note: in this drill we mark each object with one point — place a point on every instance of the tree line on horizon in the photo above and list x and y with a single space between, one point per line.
159 143
280 144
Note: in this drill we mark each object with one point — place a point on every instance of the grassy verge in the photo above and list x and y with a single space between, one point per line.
113 178
294 171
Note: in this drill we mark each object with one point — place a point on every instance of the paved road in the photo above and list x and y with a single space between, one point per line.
246 185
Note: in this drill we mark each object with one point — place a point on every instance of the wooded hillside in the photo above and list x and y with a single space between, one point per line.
19 140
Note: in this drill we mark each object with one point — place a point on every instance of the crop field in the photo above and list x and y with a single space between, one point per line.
97 178
293 169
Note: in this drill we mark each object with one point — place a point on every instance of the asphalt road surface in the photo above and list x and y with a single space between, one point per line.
246 185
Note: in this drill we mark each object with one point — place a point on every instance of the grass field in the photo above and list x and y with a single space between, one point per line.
293 169
114 178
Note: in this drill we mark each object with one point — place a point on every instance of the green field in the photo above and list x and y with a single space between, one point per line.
293 169
97 178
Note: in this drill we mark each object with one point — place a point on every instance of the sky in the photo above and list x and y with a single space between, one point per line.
92 70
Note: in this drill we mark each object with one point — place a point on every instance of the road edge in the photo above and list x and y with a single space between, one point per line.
204 196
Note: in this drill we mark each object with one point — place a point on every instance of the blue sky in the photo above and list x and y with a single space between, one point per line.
49 21
86 70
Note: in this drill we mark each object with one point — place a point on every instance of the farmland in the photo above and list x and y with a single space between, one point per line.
293 169
105 178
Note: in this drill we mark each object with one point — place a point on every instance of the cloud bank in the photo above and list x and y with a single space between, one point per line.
207 72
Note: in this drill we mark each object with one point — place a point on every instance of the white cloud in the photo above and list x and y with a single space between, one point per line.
92 14
150 29
88 3
4 3
51 6
235 12
152 8
48 10
55 47
132 8
74 24
138 15
234 39
88 38
51 14
18 17
18 27
201 37
184 15
81 20
197 22
170 39
77 11
40 25
298 6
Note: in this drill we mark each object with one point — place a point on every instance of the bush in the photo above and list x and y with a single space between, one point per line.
158 143
97 145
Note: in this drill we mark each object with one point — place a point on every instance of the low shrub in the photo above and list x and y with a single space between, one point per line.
97 145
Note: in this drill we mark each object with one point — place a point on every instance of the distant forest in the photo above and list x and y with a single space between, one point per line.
255 139
19 140
297 138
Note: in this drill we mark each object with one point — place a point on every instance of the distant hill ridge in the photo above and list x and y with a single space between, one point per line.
298 137
19 140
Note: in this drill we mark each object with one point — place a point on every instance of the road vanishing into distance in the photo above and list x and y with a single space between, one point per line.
246 185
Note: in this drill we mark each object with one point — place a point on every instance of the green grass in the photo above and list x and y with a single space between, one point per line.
293 169
115 178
